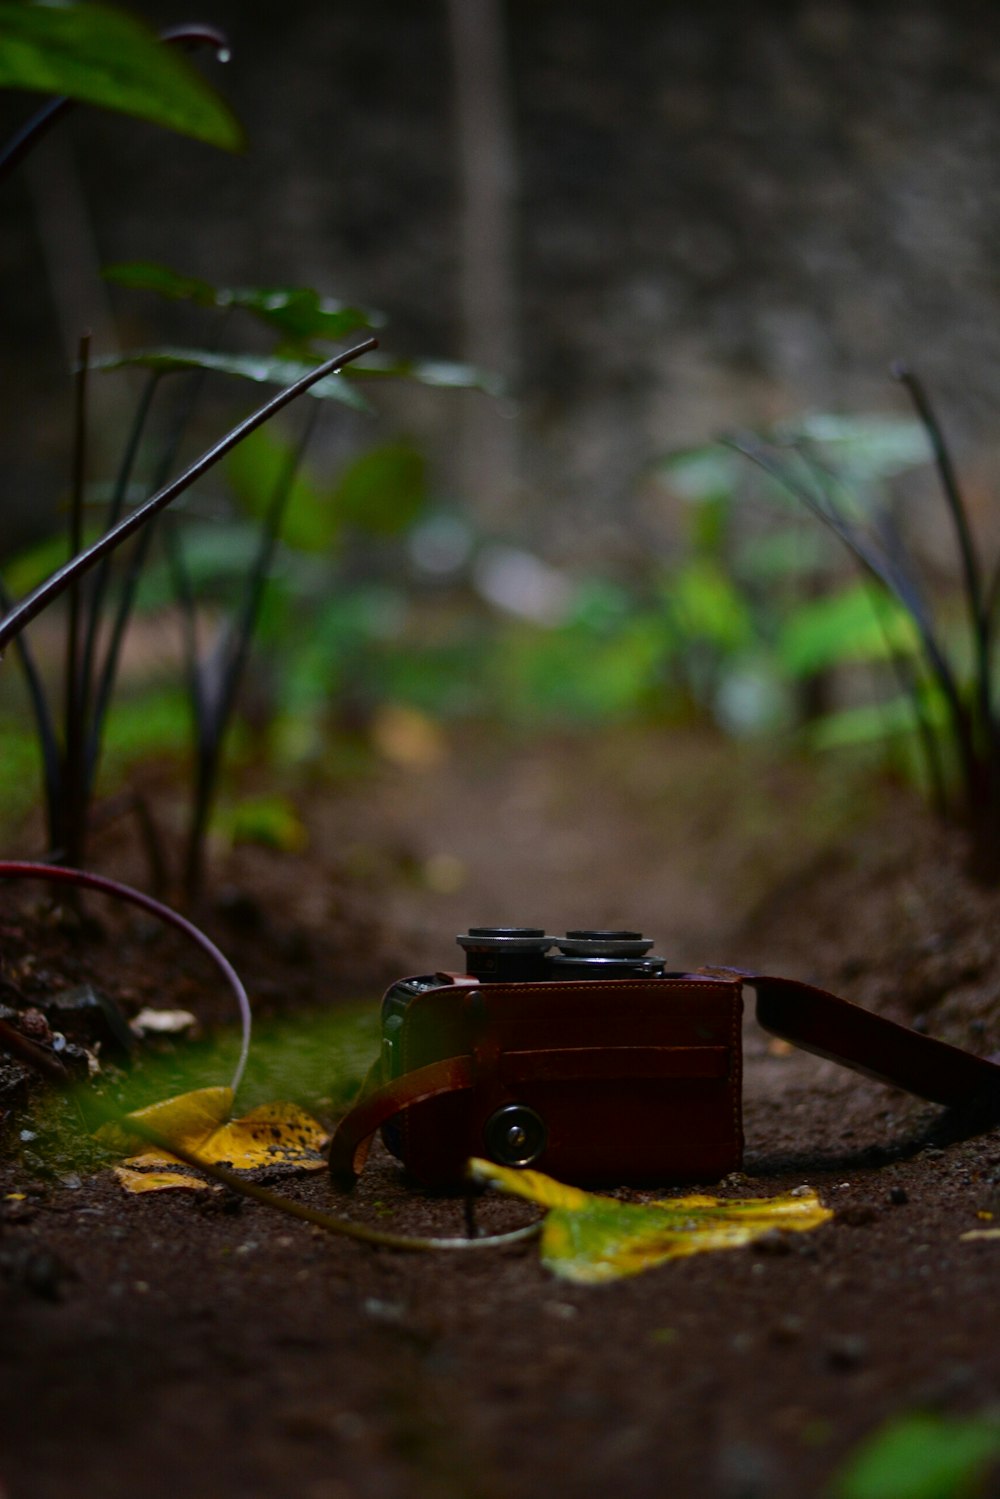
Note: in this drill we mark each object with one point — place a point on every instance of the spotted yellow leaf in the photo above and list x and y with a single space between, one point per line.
159 1181
198 1122
589 1239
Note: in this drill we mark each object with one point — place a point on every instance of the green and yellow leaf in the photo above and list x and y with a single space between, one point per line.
589 1239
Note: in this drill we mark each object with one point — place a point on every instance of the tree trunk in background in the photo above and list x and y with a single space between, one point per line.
489 459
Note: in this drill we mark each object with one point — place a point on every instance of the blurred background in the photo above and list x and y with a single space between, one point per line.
655 223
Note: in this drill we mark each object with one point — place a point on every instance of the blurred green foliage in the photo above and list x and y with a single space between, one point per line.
923 1455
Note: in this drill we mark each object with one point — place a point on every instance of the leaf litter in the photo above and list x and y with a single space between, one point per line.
199 1122
591 1239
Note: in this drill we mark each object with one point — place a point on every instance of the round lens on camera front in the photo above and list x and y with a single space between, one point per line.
515 1135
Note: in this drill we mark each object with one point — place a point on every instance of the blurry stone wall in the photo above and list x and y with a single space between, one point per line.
719 214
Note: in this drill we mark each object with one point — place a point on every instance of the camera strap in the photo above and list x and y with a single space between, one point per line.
811 1018
843 1032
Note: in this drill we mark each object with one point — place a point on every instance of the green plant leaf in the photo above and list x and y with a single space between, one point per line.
270 821
706 605
592 1239
384 490
871 723
297 312
311 522
260 368
844 627
860 448
922 1456
439 373
101 56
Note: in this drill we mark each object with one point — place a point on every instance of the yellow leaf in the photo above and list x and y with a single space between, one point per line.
588 1238
274 1134
189 1119
159 1181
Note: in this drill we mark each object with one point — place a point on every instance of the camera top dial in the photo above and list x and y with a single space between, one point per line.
505 954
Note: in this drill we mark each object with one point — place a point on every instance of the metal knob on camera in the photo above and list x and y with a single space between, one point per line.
515 1135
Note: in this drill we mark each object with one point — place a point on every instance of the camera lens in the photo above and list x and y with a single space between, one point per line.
505 954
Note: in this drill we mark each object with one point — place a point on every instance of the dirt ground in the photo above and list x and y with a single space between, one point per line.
152 1346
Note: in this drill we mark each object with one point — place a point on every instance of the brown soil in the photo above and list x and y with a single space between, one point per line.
152 1346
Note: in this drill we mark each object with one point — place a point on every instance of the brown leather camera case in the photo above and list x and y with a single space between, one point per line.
634 1079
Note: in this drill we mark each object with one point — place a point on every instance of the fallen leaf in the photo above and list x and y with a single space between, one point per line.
159 1181
189 1119
980 1233
273 1134
589 1239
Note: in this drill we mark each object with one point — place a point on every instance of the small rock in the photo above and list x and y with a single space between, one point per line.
899 1197
846 1352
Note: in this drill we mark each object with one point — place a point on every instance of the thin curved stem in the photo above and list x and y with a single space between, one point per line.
334 1225
11 869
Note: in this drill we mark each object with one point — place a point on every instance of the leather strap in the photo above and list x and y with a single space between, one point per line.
835 1028
376 1105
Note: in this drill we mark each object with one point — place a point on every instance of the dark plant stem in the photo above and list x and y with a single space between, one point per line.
73 809
984 785
102 575
891 573
214 693
978 614
44 726
81 879
15 621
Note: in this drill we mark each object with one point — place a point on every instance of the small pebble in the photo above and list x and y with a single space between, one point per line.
899 1197
846 1352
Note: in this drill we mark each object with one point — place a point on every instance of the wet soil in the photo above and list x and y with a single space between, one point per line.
154 1345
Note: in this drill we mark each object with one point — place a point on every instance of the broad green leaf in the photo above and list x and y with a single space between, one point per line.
384 490
844 627
591 1239
311 522
922 1456
263 369
297 312
103 56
